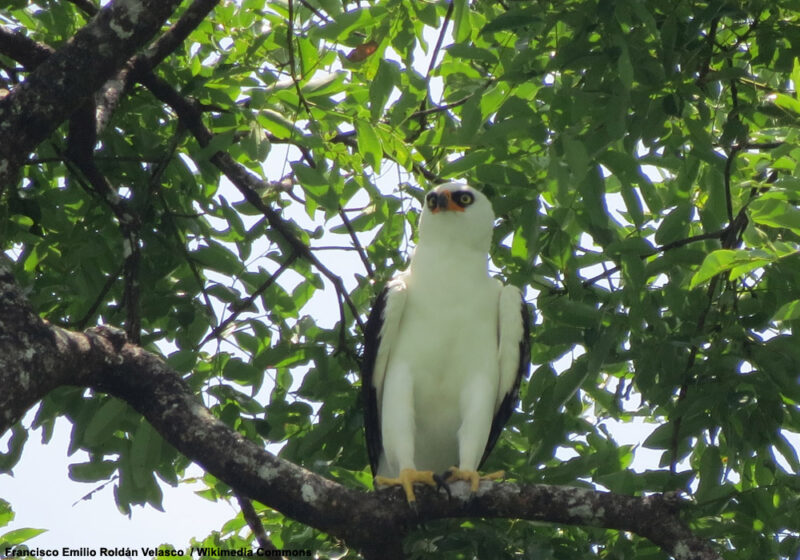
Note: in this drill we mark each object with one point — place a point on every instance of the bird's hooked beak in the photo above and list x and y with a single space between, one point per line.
444 202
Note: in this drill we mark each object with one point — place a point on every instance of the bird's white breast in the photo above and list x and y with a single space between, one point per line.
447 344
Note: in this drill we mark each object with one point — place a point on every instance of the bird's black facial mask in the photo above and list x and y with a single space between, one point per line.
446 200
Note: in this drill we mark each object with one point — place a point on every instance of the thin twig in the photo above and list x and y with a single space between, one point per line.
290 50
661 249
440 39
711 38
441 108
333 248
81 323
356 243
421 115
251 517
315 11
684 388
244 304
92 492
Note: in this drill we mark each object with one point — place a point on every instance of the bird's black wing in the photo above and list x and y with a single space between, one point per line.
512 397
372 341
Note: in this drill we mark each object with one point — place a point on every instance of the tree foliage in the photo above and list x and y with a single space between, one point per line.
642 158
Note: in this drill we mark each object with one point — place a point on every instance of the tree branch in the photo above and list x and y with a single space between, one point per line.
69 77
105 361
22 48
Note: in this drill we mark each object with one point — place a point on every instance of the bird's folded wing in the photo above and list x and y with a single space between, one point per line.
513 355
513 318
383 326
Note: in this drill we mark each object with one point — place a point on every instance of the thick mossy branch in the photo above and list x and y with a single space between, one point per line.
71 76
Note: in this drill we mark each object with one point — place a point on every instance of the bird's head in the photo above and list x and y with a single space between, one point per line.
457 213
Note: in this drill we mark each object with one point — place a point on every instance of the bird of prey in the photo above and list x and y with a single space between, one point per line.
446 347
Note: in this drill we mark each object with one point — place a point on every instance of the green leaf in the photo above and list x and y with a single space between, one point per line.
6 513
218 143
316 185
146 446
625 68
786 102
519 245
572 313
568 383
241 372
789 311
277 124
740 261
325 85
256 143
459 166
387 77
461 23
104 422
19 435
470 52
710 473
348 21
633 203
92 471
592 188
309 54
775 212
19 536
369 144
511 20
215 256
675 225
661 438
577 157
635 246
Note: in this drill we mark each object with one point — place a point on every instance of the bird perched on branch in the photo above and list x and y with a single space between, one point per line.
446 347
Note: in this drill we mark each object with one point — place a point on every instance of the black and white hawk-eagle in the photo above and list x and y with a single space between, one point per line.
446 347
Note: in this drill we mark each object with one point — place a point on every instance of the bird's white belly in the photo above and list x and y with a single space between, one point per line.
447 356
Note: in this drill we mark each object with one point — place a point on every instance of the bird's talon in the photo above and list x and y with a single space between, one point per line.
406 479
441 482
472 477
497 475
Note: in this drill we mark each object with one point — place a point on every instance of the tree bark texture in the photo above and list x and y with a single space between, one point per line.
72 75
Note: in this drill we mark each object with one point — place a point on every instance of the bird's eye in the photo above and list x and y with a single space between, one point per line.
431 201
465 198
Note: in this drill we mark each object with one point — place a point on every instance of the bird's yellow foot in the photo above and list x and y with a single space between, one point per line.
407 479
473 477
